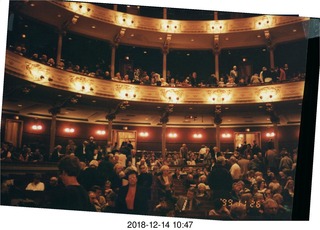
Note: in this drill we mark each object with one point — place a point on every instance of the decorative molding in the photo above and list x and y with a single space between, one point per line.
21 67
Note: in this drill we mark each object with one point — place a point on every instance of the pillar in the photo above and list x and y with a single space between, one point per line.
165 14
276 137
110 131
113 61
216 63
215 15
163 142
271 54
218 136
53 130
59 48
164 64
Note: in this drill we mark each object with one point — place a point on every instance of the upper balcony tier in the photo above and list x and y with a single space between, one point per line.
129 29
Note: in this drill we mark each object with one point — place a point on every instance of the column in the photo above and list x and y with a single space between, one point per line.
215 15
276 139
54 111
218 136
113 60
165 13
59 48
271 54
164 64
163 142
217 121
110 131
110 117
216 63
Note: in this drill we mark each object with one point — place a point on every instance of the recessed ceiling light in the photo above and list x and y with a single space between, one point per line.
192 40
226 108
132 35
188 54
227 39
160 38
32 4
19 105
59 15
294 30
70 39
94 101
93 27
26 26
59 95
259 36
190 108
145 52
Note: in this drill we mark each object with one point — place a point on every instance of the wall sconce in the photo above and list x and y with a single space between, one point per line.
101 132
226 135
171 95
272 134
130 95
197 135
264 22
219 96
81 84
268 94
69 130
36 127
216 27
172 135
38 73
170 26
143 134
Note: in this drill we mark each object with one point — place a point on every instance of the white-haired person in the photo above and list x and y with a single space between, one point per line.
164 182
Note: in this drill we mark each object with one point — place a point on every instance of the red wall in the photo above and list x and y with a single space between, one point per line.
288 135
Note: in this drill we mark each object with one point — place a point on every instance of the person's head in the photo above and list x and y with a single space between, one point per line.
111 198
232 160
118 168
53 181
191 193
221 161
37 178
132 177
278 198
97 190
270 207
69 166
92 197
238 211
202 187
143 168
165 170
107 184
289 184
94 164
203 179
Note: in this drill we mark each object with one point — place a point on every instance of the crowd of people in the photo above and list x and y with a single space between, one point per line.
250 184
